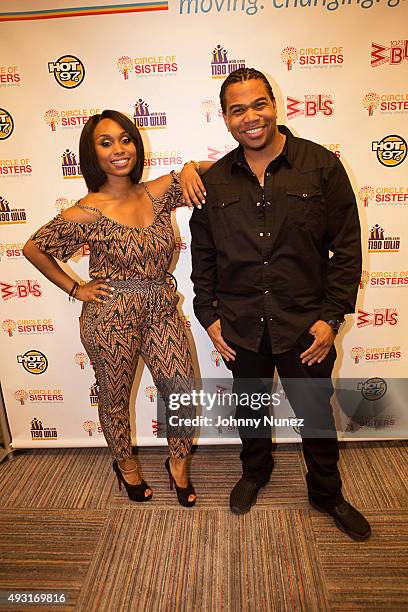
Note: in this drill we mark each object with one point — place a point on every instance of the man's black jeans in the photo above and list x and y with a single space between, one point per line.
310 401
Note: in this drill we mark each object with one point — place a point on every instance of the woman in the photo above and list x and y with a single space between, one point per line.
129 309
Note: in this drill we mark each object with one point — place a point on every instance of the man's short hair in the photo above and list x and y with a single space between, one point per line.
240 76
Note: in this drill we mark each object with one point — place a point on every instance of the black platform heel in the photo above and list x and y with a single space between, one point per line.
135 492
183 493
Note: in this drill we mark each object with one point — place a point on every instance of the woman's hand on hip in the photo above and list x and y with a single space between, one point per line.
95 291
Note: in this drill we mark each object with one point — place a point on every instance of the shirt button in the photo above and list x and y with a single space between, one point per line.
268 174
261 234
304 195
268 233
271 319
267 291
262 319
265 263
258 203
268 203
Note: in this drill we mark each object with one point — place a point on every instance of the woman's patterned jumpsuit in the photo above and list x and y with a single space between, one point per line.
140 318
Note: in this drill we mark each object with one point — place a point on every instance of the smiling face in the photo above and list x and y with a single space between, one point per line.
250 114
115 151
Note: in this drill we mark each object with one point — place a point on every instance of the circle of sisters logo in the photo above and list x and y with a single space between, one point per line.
209 109
171 280
289 57
371 101
384 278
391 150
52 118
9 326
221 66
68 70
357 352
151 393
147 65
89 426
62 204
366 194
216 358
312 57
33 361
6 124
81 359
12 250
373 389
125 66
21 396
365 279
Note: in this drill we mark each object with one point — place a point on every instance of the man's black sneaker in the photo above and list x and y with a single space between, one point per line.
243 496
348 519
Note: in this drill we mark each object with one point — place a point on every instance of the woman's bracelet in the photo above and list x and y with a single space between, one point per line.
73 292
195 164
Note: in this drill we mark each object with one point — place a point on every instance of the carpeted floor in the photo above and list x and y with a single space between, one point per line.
64 526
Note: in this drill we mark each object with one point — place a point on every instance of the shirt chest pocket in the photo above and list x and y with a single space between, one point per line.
306 208
226 211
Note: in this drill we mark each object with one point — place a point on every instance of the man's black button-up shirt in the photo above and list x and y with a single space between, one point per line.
284 255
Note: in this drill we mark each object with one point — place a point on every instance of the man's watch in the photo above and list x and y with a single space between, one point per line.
335 324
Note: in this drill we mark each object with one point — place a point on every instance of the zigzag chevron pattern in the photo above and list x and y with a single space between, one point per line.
132 322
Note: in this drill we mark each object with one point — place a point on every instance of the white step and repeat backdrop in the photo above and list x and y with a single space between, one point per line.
339 71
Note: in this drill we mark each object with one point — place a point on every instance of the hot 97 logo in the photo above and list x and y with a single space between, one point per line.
68 71
391 150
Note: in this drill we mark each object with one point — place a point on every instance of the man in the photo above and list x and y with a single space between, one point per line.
266 289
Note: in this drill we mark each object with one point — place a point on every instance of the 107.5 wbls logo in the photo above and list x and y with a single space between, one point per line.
311 106
20 289
394 54
380 316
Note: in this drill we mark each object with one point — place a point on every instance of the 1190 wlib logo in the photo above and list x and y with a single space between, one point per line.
221 65
379 242
70 166
145 119
9 214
